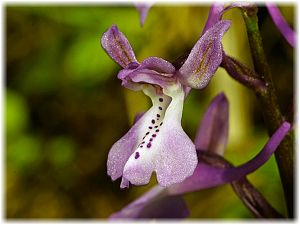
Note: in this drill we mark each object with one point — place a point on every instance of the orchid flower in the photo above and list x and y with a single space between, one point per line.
210 140
157 142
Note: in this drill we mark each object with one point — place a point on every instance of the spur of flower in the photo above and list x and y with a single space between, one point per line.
156 142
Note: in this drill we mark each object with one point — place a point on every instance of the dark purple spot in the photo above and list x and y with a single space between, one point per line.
150 127
148 145
153 135
141 146
153 121
160 123
157 130
143 142
158 115
151 139
161 99
137 155
160 108
147 133
156 126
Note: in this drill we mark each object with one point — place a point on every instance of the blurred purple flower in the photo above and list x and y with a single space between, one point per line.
206 174
143 9
281 24
156 141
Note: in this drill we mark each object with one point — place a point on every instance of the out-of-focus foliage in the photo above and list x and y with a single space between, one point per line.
64 106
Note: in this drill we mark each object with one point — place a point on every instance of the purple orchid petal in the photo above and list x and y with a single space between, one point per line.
117 46
206 176
205 57
159 65
155 203
122 150
212 133
151 77
165 148
214 15
125 72
281 24
143 9
129 84
152 70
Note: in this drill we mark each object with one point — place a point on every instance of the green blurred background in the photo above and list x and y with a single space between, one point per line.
64 106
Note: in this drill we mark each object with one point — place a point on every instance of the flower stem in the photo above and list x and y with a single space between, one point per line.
270 108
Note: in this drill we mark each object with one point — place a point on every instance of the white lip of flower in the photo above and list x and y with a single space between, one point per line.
160 145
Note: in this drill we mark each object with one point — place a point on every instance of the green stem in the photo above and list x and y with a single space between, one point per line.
270 108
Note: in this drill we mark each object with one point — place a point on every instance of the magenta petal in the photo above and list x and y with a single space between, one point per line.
281 24
117 46
212 133
156 203
205 57
206 176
